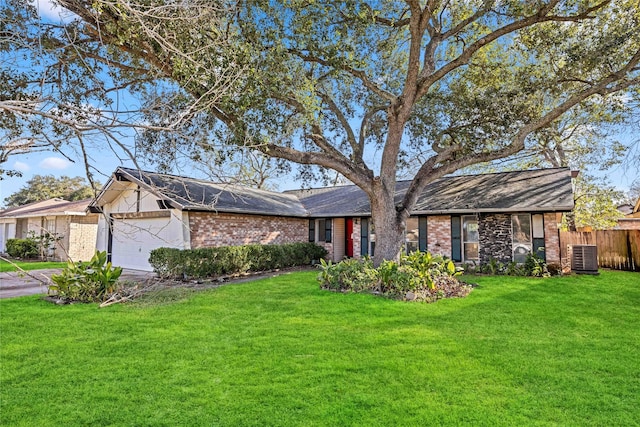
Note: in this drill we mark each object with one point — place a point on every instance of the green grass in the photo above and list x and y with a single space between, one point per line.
280 352
30 265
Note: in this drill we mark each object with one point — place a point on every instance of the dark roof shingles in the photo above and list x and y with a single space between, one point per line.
525 191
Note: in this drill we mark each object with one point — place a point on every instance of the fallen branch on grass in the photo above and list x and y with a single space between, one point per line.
21 271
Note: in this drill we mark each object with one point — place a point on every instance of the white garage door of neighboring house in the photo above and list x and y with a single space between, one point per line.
7 231
134 239
3 237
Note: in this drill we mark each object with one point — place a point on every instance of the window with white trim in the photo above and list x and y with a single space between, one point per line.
521 232
470 245
411 235
50 226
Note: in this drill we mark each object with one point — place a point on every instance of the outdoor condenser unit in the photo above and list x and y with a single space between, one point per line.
584 259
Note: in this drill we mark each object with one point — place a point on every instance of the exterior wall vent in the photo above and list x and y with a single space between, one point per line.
584 259
164 204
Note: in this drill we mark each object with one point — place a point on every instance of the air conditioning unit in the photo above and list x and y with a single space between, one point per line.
584 259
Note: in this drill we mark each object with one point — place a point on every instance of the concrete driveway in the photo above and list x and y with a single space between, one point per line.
13 284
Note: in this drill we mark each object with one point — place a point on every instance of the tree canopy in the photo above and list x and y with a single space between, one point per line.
43 187
367 89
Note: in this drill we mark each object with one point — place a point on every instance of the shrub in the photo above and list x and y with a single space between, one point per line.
229 260
22 248
86 282
554 268
350 275
493 267
535 266
418 276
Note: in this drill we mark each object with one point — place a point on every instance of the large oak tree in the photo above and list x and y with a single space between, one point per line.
366 88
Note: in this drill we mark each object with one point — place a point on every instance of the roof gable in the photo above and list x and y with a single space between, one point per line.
50 207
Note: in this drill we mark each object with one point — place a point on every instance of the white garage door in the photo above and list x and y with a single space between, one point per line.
134 239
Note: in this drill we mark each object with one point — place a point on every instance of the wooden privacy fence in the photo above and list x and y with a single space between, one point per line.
617 249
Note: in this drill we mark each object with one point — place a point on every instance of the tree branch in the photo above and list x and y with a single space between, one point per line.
445 162
333 107
359 74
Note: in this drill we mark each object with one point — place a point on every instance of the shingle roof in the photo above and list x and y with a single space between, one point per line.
522 191
543 190
195 194
50 207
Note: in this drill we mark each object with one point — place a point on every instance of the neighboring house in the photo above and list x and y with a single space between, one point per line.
68 220
625 208
631 221
469 218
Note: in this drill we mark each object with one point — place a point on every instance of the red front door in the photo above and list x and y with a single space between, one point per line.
349 237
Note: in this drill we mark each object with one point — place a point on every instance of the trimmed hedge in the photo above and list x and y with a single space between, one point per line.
228 260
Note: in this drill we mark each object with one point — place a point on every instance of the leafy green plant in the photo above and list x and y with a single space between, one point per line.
493 267
513 269
419 275
327 277
471 268
45 242
535 266
86 282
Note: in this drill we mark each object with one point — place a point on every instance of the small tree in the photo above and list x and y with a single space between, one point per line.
45 242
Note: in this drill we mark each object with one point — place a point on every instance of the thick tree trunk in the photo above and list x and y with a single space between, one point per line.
389 234
388 220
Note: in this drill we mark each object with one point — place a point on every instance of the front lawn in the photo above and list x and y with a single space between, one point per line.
516 351
29 265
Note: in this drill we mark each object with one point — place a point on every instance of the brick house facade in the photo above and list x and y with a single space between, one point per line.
473 218
495 239
210 229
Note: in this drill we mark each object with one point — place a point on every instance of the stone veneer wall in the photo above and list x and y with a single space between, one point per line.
494 235
439 235
209 229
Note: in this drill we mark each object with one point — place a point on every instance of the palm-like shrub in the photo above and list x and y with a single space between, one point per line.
86 282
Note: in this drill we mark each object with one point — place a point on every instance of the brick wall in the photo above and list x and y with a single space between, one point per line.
551 237
439 234
83 232
209 229
357 235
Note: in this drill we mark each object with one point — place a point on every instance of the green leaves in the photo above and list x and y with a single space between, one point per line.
86 282
418 275
43 187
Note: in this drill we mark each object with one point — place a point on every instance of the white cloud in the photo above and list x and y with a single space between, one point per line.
21 166
57 163
52 12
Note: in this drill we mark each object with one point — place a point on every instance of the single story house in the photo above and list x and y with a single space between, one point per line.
68 220
470 218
